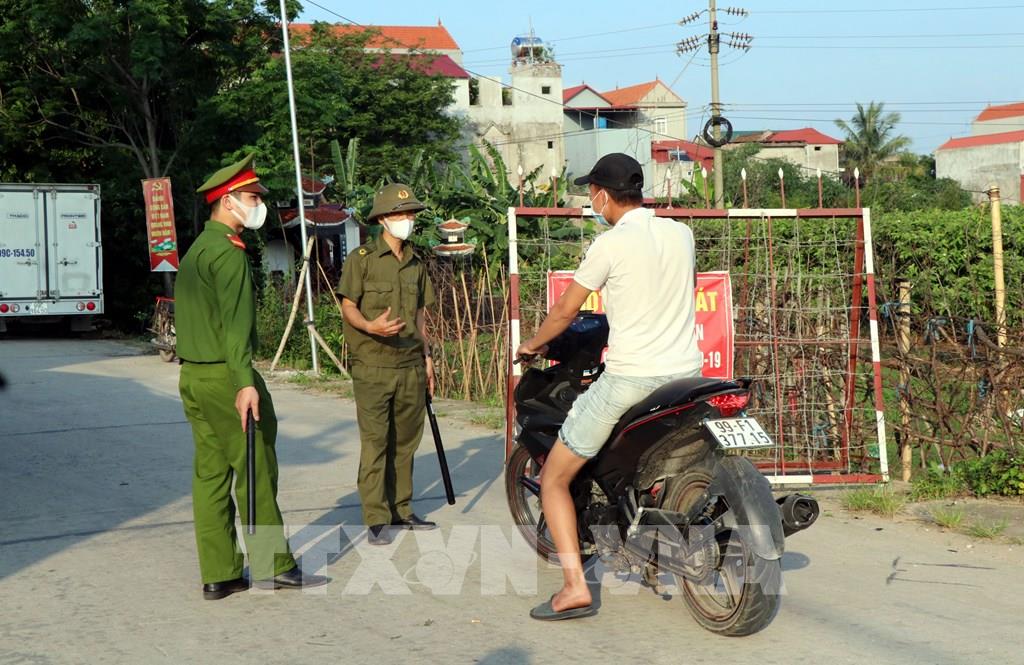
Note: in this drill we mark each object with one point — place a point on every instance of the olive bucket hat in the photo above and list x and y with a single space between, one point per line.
392 198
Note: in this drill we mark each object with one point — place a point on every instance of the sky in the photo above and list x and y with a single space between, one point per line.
936 63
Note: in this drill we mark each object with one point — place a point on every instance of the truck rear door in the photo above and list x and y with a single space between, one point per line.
73 225
22 244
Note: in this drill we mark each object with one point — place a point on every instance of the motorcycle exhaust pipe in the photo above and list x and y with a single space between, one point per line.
799 511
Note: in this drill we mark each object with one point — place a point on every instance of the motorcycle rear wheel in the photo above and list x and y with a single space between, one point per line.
526 509
741 595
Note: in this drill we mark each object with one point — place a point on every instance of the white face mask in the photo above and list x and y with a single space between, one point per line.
598 217
400 228
255 216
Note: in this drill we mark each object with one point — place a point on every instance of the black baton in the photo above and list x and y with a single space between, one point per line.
446 477
250 471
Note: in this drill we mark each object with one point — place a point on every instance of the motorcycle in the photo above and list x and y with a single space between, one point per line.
666 493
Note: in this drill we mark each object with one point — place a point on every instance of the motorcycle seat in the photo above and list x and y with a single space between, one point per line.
672 394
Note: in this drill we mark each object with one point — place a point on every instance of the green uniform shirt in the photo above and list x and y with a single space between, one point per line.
215 304
375 279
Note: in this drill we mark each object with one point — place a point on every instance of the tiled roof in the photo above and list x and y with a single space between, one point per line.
325 214
807 135
631 95
429 37
437 65
984 139
569 93
695 151
1001 112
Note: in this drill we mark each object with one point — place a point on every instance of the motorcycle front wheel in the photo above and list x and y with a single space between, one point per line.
740 594
526 509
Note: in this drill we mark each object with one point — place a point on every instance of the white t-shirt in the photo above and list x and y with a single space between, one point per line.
645 268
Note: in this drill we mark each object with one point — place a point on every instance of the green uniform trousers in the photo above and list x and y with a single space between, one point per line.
208 396
390 407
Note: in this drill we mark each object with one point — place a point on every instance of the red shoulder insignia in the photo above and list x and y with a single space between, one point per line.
235 240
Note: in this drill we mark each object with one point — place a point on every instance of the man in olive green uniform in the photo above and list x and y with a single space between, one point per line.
385 288
215 321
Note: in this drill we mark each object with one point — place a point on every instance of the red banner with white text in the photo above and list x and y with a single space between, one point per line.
713 304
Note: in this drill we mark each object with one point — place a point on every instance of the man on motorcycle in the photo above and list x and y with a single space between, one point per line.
645 268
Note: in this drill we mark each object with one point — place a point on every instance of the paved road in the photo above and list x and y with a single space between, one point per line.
97 562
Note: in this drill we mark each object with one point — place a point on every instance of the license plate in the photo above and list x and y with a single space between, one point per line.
739 433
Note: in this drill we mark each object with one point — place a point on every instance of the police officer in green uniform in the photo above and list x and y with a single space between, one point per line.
215 321
385 289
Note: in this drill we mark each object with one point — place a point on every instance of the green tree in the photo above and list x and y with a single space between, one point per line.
130 76
112 91
871 138
384 101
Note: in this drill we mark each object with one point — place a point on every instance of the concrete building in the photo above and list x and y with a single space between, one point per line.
522 120
630 120
650 106
999 119
993 154
976 162
805 147
678 161
432 50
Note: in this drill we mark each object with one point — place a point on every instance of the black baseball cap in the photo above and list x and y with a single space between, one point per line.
615 171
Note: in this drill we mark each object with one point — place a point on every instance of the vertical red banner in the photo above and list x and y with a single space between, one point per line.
713 305
163 239
713 308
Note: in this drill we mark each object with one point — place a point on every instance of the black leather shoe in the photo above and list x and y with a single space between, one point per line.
379 534
218 590
292 579
414 522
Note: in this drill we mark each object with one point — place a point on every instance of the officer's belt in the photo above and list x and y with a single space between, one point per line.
182 361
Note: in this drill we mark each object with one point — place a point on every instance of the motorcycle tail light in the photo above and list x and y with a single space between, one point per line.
730 404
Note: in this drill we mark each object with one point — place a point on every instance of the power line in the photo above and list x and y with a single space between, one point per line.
888 10
952 35
876 47
525 92
587 36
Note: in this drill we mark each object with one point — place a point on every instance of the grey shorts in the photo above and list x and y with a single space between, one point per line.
596 412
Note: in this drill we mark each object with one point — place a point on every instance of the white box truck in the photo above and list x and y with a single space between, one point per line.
51 263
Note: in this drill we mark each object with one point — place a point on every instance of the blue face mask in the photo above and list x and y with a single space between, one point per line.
598 217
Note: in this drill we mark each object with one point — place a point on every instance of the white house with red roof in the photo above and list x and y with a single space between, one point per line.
678 160
431 48
994 154
999 119
522 120
805 147
630 120
650 106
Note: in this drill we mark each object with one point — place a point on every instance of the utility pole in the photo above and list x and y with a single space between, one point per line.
997 264
716 106
713 129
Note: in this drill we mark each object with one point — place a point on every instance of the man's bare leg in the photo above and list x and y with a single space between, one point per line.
559 469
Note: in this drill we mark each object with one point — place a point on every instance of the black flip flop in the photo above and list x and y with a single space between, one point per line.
545 612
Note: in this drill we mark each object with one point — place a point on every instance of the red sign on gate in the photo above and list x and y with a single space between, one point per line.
713 304
163 240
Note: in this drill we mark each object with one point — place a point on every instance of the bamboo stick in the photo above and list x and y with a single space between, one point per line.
295 307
